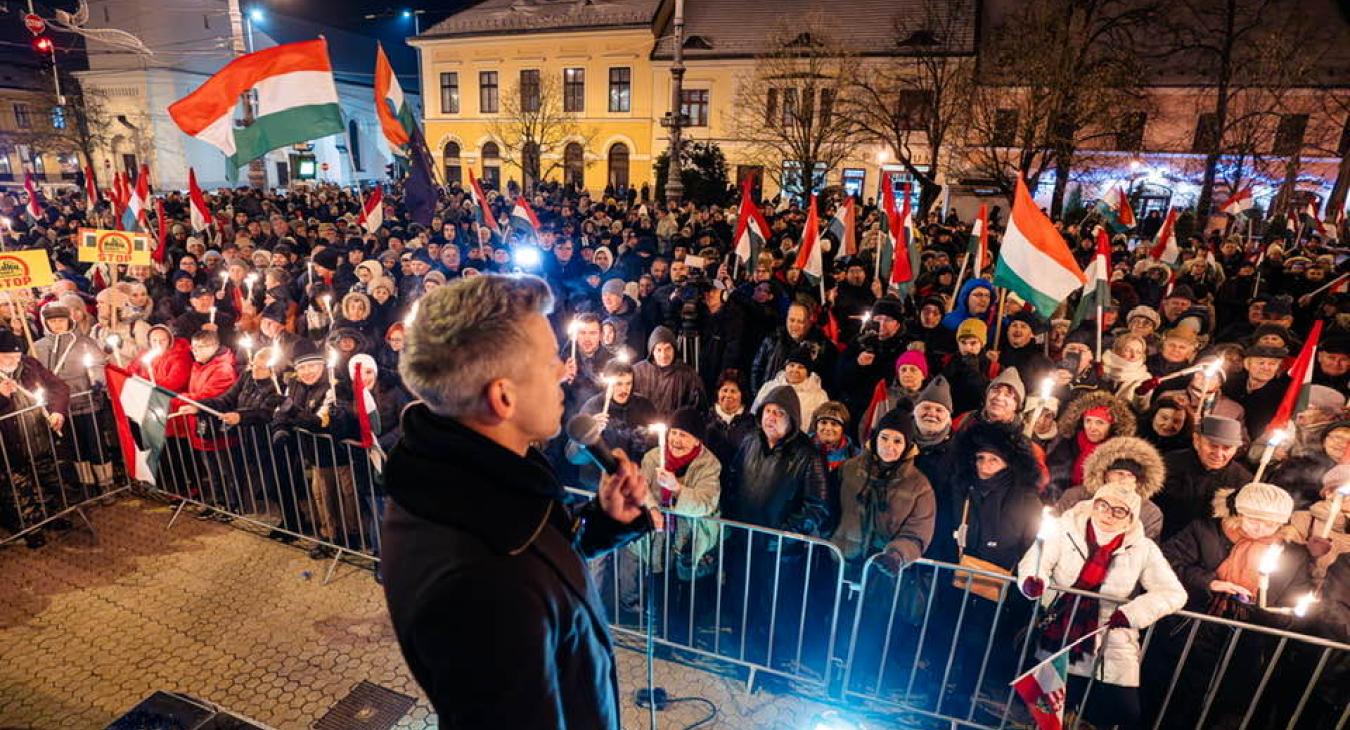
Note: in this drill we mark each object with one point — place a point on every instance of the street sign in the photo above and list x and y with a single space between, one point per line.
34 24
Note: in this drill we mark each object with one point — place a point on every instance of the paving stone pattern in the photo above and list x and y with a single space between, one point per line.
90 625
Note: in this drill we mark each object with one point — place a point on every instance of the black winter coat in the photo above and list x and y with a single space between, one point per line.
300 409
488 588
1196 552
1259 405
782 488
773 353
1188 493
254 400
1002 523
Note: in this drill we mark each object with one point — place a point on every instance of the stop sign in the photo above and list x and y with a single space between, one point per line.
34 24
324 167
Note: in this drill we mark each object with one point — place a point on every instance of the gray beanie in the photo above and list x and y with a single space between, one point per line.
1263 501
1010 378
613 287
937 391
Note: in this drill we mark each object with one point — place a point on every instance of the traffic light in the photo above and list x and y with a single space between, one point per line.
43 45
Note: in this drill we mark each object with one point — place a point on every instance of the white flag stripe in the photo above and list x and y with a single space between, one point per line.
297 88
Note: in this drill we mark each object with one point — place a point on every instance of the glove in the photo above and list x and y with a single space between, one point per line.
1318 546
1033 587
1146 387
891 562
1119 620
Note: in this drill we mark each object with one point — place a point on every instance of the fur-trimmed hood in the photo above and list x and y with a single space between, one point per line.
1003 439
1225 508
1072 417
1126 447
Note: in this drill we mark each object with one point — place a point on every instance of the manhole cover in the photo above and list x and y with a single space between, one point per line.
367 707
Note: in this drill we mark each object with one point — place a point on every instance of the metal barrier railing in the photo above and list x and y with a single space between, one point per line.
51 473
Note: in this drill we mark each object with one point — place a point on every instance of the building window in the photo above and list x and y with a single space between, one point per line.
620 89
58 117
771 107
915 105
354 144
855 181
23 116
826 105
694 106
789 107
6 169
492 165
452 163
618 165
1005 128
449 93
574 89
529 90
574 165
487 92
1130 137
1206 139
1289 135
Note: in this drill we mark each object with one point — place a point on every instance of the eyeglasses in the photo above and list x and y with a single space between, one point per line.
1105 507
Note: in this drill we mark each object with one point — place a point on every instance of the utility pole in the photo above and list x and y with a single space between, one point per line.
675 119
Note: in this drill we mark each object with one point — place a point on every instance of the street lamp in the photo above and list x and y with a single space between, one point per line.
255 15
415 15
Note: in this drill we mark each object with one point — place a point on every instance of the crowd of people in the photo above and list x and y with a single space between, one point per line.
937 422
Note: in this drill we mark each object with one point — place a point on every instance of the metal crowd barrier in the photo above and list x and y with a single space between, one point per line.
292 482
49 475
947 653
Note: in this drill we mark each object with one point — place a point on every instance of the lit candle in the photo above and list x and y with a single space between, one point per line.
1043 533
332 366
115 344
213 314
412 314
1337 499
1270 561
148 359
1304 603
609 393
224 279
272 362
660 429
866 317
624 357
1047 386
249 281
89 368
246 342
573 328
1277 438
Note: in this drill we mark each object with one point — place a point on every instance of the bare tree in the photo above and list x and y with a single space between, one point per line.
916 102
788 106
534 127
1058 76
1337 106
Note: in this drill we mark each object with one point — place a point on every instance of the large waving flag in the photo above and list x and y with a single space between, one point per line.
1240 201
808 253
480 204
979 242
1300 384
142 411
396 117
34 206
297 102
1097 288
841 227
201 214
752 231
890 230
118 195
1114 208
372 211
137 210
524 223
1165 248
906 262
1034 261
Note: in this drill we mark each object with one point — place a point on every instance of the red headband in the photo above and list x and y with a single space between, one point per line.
1101 412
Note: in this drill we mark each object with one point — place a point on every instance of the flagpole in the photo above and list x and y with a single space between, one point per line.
1099 329
998 321
1326 286
956 289
1052 657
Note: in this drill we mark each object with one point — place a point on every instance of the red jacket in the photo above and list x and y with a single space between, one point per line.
208 380
172 369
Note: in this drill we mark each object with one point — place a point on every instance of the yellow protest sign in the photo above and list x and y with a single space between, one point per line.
101 246
22 269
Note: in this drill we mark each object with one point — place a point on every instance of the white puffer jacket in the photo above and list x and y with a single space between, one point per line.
1138 563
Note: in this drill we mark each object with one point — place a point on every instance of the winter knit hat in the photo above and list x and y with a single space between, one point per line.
1146 312
1263 501
973 328
938 391
304 351
833 410
1325 399
360 358
613 287
1120 492
55 311
690 421
915 358
900 420
1129 465
802 355
661 334
1010 378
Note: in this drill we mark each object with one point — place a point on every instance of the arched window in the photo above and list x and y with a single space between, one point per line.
574 165
618 165
451 158
354 145
530 164
492 165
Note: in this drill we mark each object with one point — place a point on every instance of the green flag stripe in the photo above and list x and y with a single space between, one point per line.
272 131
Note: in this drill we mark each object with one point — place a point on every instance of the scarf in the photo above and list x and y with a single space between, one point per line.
1122 371
1241 565
677 464
925 441
834 455
726 417
1085 449
1063 624
872 498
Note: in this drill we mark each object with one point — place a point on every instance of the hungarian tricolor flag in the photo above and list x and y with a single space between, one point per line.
870 415
906 263
90 189
751 228
119 195
1300 383
1097 288
34 206
841 227
1240 201
396 117
372 211
162 240
1044 689
524 223
1114 208
367 421
831 331
480 205
1165 248
979 242
134 217
1314 222
201 214
297 102
1034 261
142 411
808 254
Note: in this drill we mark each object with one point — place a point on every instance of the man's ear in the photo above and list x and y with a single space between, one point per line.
502 399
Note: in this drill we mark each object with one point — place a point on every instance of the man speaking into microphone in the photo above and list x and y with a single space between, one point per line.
484 567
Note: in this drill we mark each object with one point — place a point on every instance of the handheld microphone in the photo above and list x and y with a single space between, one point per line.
589 435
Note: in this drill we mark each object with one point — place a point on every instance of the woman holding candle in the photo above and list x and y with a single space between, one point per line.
1325 525
1099 545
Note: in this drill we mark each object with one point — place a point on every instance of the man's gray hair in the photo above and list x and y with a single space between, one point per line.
468 334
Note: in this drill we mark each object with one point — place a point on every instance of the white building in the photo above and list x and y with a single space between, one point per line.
191 40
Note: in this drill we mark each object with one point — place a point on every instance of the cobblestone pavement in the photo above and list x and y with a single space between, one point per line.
91 625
